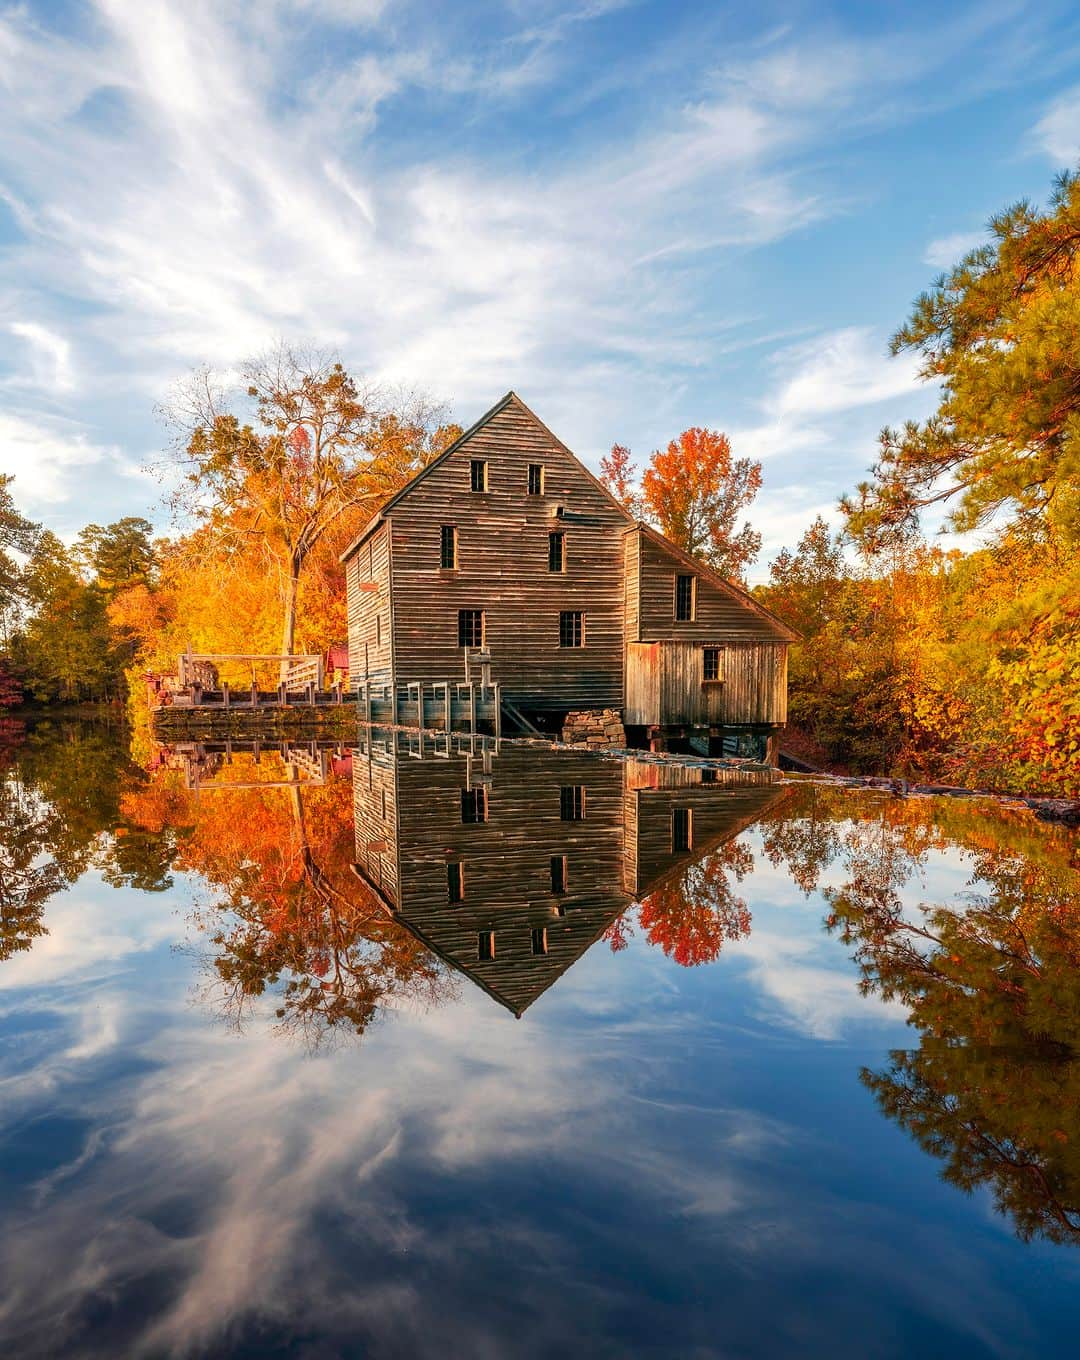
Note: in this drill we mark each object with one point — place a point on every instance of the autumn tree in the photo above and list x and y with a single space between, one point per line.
274 465
120 555
66 649
17 534
999 333
618 473
694 491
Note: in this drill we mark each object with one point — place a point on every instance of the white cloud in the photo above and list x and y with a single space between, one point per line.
840 370
47 459
946 251
50 355
1058 131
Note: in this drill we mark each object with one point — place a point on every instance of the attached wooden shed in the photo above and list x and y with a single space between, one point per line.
700 651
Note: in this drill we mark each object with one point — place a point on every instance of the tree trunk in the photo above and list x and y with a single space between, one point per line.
288 625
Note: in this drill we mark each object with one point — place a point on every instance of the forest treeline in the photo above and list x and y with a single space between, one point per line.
915 660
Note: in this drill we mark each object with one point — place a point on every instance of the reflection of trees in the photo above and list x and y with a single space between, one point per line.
992 986
695 913
288 915
60 816
26 881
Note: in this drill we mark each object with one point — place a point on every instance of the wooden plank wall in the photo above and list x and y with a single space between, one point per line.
720 812
503 569
507 863
664 685
370 626
755 684
720 616
619 853
632 585
642 684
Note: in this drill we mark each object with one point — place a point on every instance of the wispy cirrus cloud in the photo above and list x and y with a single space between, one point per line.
1057 133
532 196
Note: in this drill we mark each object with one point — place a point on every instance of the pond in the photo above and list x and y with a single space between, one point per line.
400 1048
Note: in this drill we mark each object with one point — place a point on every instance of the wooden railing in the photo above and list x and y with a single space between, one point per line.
300 672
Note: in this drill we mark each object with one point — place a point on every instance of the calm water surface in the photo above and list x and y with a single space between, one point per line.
407 1051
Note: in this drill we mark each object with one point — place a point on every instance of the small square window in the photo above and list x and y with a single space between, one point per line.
474 804
539 940
572 803
710 663
708 775
572 628
448 554
684 598
478 474
558 873
556 552
485 945
455 883
536 479
470 627
682 828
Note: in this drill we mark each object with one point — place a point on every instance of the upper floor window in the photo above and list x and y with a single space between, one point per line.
710 663
536 479
539 940
558 873
685 593
470 627
485 945
556 552
572 628
572 802
478 474
455 883
448 558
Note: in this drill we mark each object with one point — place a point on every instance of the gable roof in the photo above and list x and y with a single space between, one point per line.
699 568
511 398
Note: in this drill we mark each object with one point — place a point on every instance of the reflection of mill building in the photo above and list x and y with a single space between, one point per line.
506 544
510 862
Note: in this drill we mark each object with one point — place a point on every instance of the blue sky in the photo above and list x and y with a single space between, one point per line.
640 216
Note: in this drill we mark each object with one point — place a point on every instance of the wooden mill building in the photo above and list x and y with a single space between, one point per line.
511 861
507 545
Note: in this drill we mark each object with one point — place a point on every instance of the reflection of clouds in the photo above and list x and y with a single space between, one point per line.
90 929
462 1183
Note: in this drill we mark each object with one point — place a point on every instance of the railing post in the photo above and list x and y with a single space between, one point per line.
225 694
498 710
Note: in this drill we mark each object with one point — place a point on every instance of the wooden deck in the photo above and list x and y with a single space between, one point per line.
448 706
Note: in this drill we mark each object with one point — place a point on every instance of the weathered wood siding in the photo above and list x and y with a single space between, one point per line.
375 815
665 685
720 811
506 860
632 585
367 586
755 684
720 615
618 853
503 570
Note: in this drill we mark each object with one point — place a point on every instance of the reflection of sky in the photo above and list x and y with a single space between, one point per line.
654 1161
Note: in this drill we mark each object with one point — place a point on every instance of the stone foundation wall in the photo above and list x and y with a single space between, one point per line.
594 727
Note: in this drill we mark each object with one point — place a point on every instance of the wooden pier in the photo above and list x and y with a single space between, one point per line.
472 705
